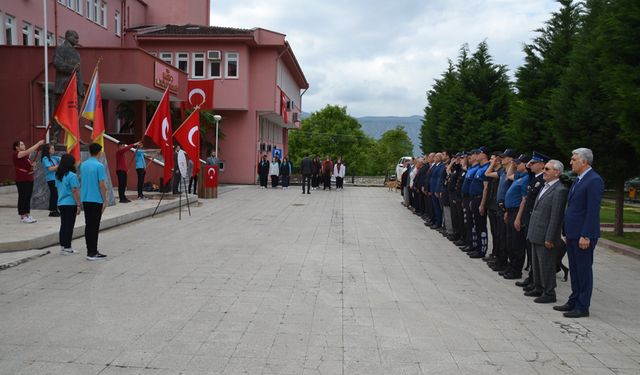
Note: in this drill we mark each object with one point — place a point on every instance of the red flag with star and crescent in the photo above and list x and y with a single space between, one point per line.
160 132
188 135
211 176
200 94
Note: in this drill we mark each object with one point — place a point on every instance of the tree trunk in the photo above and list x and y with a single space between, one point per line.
618 227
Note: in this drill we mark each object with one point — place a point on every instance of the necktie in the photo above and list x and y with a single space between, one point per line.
573 187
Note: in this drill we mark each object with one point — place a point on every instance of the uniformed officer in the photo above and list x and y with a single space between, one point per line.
470 237
478 190
495 164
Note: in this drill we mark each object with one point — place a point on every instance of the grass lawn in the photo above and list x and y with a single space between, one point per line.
630 238
607 213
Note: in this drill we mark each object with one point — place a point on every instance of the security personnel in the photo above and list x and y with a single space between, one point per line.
478 190
500 261
492 203
470 236
457 193
514 207
536 182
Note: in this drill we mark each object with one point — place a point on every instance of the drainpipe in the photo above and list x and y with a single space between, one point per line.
55 23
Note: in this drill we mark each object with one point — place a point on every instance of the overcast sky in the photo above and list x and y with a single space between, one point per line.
379 58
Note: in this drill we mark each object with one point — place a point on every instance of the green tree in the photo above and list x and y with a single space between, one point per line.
546 59
391 146
331 131
584 107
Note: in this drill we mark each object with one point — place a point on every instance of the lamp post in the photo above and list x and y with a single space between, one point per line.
217 119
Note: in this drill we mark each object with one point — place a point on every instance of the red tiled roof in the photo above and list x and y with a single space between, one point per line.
164 30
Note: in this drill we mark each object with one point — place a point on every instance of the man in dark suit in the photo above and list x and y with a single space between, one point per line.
306 168
435 188
582 230
544 230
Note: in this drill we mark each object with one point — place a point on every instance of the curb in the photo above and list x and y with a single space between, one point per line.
4 266
611 225
78 232
620 248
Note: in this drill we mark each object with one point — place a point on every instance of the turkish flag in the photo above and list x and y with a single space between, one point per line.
200 94
66 115
211 176
159 130
188 135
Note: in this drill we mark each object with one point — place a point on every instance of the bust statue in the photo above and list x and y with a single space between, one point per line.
66 60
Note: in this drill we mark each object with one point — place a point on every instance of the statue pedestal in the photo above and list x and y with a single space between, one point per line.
40 197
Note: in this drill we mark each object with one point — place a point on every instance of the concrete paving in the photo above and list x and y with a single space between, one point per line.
276 282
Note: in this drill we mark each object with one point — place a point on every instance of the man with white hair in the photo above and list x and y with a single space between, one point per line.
544 230
582 230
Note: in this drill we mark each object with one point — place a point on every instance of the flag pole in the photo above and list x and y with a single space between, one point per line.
46 72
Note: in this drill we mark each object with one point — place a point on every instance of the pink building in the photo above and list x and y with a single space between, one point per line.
258 81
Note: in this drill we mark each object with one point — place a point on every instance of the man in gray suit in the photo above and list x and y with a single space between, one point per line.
544 233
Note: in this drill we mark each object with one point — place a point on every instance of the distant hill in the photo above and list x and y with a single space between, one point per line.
375 126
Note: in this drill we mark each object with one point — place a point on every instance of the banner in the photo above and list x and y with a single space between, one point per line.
66 115
211 176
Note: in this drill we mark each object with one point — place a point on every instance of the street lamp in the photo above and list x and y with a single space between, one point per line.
217 119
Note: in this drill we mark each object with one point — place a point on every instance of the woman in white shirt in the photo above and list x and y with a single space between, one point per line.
339 171
274 171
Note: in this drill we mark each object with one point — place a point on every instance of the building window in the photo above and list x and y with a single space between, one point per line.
50 41
214 64
198 65
77 6
93 10
231 66
37 36
27 34
167 57
10 37
103 14
182 61
118 23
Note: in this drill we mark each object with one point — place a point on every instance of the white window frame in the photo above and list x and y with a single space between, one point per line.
3 32
38 37
230 57
118 23
89 9
27 31
103 14
10 25
77 6
50 39
210 70
167 57
182 57
195 58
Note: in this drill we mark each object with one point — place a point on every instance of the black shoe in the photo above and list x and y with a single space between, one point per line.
565 307
434 226
308 192
488 259
468 249
504 272
54 214
512 276
529 288
533 293
499 268
124 201
96 256
476 255
523 283
576 314
545 299
459 243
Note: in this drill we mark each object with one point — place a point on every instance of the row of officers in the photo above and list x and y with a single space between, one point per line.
532 215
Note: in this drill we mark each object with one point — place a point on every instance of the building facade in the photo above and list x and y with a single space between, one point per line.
258 83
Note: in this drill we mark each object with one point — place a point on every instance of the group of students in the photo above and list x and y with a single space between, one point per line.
532 215
69 194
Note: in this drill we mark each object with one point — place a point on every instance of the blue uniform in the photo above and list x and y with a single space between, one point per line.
140 163
517 190
65 189
476 186
49 162
471 172
503 185
91 173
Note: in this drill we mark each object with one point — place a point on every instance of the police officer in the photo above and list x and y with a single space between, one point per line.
458 221
499 262
492 203
514 205
470 236
478 190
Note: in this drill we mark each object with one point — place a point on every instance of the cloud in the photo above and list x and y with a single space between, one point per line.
381 57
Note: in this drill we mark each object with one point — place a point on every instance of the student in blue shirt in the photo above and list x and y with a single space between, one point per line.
141 169
50 163
93 194
68 187
514 206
